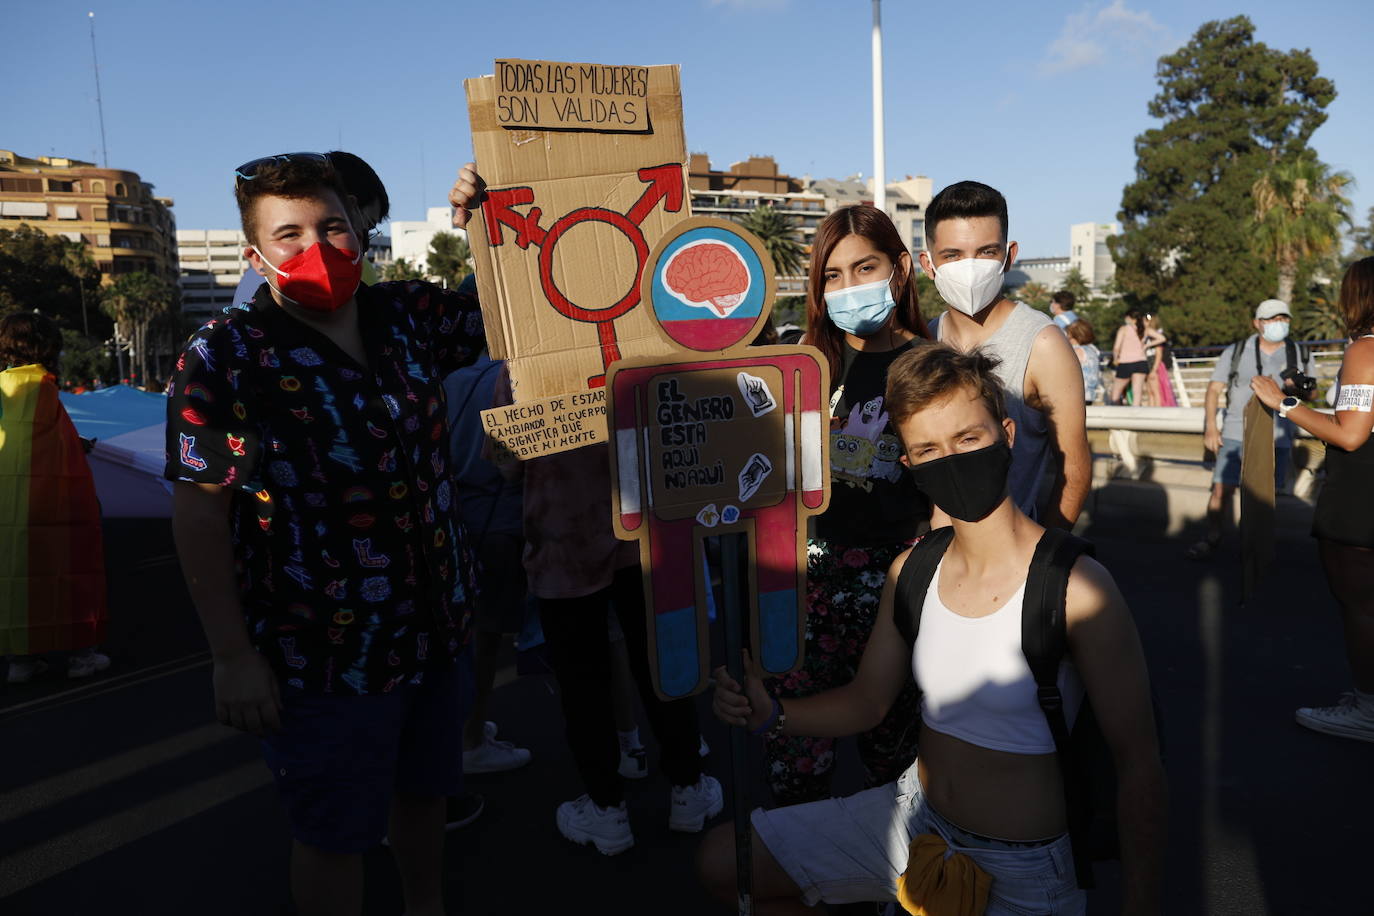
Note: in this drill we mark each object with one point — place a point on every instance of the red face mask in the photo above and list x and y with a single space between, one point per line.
322 278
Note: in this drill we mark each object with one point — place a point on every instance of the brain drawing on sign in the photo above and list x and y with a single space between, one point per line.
718 438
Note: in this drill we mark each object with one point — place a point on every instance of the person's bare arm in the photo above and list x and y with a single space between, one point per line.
246 692
1054 381
1211 434
851 709
1346 429
1106 651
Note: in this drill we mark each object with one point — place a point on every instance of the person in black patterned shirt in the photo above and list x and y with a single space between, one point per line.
317 528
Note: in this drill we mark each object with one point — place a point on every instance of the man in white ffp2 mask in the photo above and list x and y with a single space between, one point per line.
968 255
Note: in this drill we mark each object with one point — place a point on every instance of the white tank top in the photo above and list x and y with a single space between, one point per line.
975 682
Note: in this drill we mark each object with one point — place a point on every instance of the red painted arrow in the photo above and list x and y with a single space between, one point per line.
498 210
665 183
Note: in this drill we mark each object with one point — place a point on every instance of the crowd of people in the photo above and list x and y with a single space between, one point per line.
356 556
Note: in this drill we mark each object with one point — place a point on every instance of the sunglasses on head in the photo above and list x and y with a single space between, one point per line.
249 170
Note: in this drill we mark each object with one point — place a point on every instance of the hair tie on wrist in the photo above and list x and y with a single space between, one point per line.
769 724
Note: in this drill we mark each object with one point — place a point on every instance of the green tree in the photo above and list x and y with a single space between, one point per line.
1231 108
52 275
1362 238
134 301
1299 213
401 269
778 234
789 310
1077 284
450 258
83 359
1036 295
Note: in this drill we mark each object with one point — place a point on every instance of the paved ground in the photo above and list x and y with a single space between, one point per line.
122 796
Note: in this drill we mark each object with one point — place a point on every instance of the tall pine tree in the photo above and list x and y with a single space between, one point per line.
1231 108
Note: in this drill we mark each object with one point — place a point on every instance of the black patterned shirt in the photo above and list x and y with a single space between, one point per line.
352 568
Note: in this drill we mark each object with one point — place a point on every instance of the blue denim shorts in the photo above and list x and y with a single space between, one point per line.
339 759
1227 470
852 850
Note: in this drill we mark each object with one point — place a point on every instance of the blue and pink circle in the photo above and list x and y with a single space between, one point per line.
709 284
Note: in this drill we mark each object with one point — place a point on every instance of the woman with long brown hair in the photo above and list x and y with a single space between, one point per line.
1344 521
862 314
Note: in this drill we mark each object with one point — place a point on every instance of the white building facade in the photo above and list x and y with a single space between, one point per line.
210 263
410 238
1089 253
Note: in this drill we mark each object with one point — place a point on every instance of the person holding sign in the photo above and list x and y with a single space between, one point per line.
317 528
980 822
862 315
1344 520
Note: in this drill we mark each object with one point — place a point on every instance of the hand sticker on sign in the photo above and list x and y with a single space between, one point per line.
718 438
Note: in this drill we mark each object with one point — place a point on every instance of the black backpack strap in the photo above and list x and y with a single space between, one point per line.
914 582
1044 641
1237 351
1290 353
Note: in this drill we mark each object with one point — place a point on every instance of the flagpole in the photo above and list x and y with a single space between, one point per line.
879 163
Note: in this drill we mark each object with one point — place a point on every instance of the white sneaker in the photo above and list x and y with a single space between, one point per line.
492 756
85 665
693 806
22 670
1348 718
634 763
583 821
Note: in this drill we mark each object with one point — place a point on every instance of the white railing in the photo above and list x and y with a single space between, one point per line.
1192 373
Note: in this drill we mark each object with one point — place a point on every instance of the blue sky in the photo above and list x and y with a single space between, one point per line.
1041 100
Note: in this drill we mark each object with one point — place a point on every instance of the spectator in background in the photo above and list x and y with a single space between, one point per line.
1158 390
1061 309
1081 338
1344 521
491 512
1267 352
52 562
1128 355
582 573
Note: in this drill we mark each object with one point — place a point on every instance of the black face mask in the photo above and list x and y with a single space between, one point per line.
966 485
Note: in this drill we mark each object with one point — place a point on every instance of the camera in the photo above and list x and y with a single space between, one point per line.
1303 387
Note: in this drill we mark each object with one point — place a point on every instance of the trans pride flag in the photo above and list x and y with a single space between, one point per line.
52 564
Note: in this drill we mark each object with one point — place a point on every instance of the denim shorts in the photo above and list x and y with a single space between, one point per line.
339 759
1227 470
852 850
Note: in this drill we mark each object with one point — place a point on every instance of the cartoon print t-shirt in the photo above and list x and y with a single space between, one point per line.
873 501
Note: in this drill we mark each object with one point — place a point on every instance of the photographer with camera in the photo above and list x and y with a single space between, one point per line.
1268 352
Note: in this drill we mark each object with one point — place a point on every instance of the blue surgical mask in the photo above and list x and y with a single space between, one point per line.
861 310
1275 331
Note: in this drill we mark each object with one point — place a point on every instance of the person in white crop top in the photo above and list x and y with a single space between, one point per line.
987 781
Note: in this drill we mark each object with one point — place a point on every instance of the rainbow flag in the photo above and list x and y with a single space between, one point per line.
52 562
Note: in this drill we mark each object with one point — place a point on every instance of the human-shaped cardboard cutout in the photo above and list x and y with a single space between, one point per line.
725 438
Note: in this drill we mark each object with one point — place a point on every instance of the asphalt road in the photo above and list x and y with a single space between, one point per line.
121 795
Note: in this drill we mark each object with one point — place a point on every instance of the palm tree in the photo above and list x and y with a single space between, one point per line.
779 237
134 300
450 258
1299 212
401 269
1076 283
1036 295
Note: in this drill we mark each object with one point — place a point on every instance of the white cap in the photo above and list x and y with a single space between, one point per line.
1271 307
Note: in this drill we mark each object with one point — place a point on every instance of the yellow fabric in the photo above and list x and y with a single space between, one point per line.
938 884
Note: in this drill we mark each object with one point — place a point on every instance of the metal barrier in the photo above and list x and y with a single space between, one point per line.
1193 367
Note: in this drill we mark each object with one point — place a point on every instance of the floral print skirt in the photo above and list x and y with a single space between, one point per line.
843 587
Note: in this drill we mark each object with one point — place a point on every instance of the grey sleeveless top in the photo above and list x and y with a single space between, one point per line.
1011 344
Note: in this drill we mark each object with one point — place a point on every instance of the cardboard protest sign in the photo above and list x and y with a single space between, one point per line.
586 169
722 438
